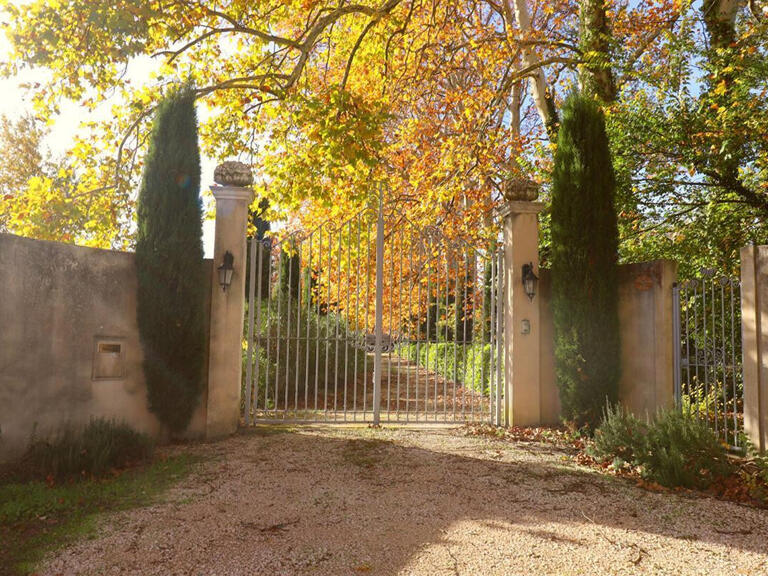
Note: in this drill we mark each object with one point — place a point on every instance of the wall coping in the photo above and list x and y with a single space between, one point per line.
511 207
232 193
10 237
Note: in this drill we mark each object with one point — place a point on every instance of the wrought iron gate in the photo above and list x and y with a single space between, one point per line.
707 354
374 320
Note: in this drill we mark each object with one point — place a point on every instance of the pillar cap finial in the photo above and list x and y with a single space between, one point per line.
521 189
233 173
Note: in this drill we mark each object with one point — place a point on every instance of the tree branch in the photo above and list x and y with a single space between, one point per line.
351 58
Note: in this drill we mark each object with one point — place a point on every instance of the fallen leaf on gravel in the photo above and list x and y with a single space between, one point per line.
652 486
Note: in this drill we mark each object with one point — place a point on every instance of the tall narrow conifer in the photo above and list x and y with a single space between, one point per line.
169 257
584 259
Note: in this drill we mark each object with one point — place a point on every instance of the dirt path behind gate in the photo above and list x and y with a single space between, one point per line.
406 502
410 393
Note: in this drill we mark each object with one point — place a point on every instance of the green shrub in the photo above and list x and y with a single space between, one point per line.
620 435
260 358
584 256
87 451
754 469
683 451
169 264
674 449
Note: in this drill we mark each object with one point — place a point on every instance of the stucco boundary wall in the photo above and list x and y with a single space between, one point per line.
754 318
646 325
69 342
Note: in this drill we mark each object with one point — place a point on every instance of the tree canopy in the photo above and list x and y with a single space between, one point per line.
446 100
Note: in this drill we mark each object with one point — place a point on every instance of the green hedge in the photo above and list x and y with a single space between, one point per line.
467 364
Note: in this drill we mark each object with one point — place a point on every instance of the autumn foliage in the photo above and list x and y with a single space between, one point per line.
444 101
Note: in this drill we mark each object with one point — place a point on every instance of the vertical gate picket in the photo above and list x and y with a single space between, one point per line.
249 356
378 312
289 289
676 338
257 304
499 335
268 328
308 292
357 315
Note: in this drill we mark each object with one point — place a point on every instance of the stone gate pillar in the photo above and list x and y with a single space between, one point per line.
233 196
754 318
522 329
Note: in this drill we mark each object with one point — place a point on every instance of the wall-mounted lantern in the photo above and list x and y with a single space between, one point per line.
226 270
530 280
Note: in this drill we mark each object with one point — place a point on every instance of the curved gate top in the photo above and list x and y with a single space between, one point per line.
373 319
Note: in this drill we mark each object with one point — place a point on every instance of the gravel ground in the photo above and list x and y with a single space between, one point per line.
337 501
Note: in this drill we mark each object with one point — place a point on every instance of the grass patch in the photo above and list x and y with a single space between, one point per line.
36 518
86 452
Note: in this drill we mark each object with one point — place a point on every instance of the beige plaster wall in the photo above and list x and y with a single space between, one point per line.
57 301
645 315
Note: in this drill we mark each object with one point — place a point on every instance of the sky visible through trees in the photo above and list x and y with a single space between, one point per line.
16 103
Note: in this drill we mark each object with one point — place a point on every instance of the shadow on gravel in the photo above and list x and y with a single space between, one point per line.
315 501
367 505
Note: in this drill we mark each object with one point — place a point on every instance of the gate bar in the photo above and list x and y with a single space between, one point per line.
676 342
251 304
499 335
379 311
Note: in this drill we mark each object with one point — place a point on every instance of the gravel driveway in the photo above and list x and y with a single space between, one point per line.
337 501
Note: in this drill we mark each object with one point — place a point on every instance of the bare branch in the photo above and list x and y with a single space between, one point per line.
322 23
265 36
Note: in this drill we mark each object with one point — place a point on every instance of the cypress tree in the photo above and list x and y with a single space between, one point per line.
584 259
290 272
262 226
169 256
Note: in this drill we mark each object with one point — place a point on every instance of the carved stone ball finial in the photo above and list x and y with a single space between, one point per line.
517 189
233 173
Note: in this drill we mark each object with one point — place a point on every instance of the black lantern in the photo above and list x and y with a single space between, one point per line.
226 269
529 280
